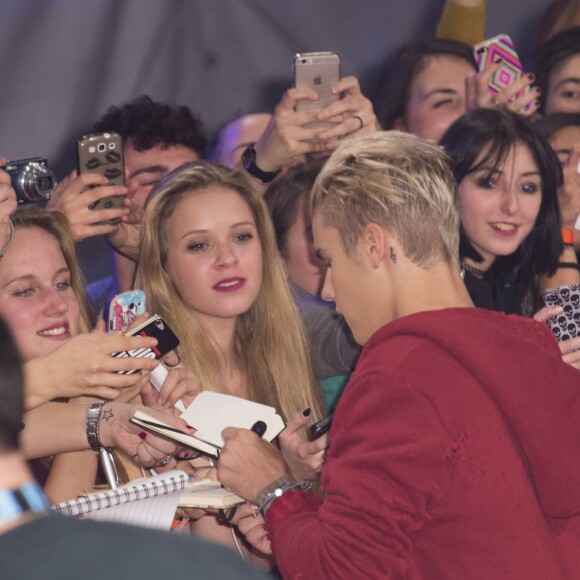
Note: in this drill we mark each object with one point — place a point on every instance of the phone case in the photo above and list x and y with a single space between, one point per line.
157 328
566 325
124 308
102 153
488 51
318 71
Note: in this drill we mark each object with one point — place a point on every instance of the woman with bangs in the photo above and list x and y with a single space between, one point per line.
511 243
210 267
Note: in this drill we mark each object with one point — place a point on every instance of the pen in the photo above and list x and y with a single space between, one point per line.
108 464
259 428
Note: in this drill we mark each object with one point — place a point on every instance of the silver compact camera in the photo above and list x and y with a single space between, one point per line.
32 180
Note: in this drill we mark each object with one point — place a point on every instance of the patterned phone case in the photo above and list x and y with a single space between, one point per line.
566 325
124 308
488 51
103 153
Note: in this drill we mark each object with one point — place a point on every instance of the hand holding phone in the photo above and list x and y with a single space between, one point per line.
154 327
102 153
320 428
567 324
319 72
500 49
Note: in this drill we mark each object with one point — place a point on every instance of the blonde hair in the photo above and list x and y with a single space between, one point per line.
399 182
270 335
55 224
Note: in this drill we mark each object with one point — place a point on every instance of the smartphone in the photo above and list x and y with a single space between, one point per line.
566 325
102 153
157 328
124 308
320 428
488 51
318 71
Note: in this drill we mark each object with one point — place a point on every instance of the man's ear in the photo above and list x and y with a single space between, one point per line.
375 242
399 125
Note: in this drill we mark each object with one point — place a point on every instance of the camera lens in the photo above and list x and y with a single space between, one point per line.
102 147
35 181
303 61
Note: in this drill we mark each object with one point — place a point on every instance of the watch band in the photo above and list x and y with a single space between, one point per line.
277 489
249 163
15 502
92 423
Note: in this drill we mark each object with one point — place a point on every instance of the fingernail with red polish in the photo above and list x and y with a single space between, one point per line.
498 60
143 435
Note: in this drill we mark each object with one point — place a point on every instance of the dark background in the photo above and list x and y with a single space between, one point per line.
65 61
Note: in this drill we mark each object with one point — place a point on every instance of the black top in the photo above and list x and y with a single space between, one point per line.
514 293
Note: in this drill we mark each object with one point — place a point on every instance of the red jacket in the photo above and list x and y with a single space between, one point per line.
455 453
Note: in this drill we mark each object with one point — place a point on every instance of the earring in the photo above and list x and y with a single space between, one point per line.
392 255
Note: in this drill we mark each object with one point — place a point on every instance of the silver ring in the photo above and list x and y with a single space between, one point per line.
166 460
360 121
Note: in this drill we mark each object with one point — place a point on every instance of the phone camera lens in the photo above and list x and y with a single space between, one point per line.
102 147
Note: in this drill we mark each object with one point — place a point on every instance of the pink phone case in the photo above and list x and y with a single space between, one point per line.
488 51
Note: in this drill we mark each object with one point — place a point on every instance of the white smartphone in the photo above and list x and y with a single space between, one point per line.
318 71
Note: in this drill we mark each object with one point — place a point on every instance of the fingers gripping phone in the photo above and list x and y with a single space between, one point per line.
318 71
566 325
320 428
124 309
102 153
489 51
154 327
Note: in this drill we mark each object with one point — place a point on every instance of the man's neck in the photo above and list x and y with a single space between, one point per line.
433 289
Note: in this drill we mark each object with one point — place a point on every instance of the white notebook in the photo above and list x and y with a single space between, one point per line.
207 493
150 502
210 413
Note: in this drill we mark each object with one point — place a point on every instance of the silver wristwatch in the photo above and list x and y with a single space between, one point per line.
93 421
277 489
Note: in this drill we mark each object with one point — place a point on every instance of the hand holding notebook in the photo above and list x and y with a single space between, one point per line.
210 413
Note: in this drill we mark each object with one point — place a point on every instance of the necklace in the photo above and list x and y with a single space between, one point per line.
477 272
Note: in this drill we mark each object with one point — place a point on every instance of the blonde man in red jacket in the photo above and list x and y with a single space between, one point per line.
454 450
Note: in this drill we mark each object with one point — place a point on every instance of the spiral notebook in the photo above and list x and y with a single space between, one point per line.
150 502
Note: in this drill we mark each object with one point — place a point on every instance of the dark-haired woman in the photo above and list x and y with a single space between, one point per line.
511 242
